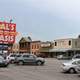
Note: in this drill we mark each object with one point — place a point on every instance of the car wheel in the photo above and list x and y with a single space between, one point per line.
12 61
39 63
6 66
72 70
20 62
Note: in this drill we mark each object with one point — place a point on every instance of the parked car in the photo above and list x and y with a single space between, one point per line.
11 57
59 57
78 68
77 56
29 59
71 66
62 57
3 62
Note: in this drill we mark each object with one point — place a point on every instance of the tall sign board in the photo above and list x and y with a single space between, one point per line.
7 32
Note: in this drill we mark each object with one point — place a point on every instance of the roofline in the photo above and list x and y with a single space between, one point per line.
36 41
66 39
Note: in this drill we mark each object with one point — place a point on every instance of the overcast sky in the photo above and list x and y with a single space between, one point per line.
43 19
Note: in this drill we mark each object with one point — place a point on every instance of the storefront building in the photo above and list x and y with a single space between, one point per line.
25 45
15 48
35 47
45 48
67 47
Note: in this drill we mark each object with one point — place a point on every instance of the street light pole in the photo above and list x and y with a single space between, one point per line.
3 41
9 31
4 36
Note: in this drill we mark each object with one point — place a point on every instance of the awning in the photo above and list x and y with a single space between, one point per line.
44 50
59 50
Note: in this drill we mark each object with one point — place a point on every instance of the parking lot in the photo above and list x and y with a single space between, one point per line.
50 71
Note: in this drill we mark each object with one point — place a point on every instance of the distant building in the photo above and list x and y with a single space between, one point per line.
15 48
67 47
45 47
25 45
35 47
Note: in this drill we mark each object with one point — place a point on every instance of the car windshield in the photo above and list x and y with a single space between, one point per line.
13 55
69 61
73 61
76 56
18 55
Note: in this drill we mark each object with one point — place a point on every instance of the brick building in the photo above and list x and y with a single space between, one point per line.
25 45
39 48
35 47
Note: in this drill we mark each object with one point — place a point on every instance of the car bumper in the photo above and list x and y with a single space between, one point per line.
3 64
64 69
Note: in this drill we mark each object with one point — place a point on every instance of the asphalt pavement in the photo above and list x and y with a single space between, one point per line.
50 71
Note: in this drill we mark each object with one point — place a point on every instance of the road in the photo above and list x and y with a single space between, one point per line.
50 71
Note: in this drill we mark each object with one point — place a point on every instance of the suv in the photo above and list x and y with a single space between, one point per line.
29 59
3 62
11 57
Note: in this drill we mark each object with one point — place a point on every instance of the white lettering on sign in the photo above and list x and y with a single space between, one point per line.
7 27
2 26
12 38
1 38
12 27
7 38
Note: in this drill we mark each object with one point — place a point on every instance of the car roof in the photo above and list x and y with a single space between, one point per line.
76 60
76 55
26 54
71 61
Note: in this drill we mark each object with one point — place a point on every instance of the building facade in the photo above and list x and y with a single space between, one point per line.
15 48
35 47
45 47
25 45
68 47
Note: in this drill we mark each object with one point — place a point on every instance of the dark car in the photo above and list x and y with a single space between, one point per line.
3 62
77 56
29 59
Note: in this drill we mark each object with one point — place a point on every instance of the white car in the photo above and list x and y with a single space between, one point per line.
11 57
3 62
29 59
71 66
59 57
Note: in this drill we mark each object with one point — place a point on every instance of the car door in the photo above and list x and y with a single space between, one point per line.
78 63
32 58
28 58
1 61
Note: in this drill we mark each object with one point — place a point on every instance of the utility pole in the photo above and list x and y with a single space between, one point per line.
3 42
9 32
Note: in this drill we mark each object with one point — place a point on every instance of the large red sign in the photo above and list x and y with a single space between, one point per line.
7 32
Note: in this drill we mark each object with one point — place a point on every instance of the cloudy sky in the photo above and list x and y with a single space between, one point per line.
43 19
